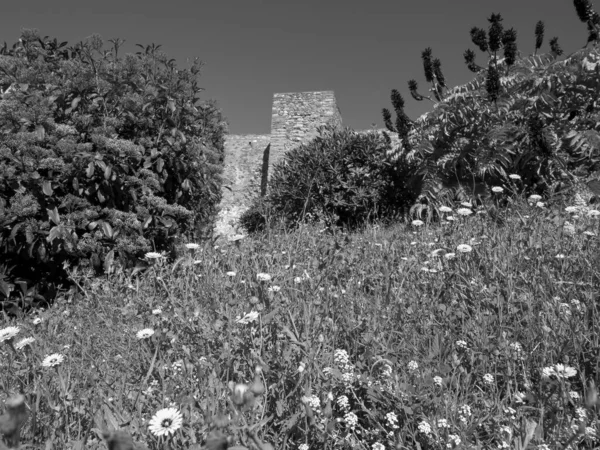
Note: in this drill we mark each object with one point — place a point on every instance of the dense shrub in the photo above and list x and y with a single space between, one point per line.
533 117
341 177
102 158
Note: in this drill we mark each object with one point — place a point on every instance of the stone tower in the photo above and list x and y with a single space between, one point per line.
295 118
249 158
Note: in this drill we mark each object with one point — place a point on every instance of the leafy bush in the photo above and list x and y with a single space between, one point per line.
341 177
101 158
535 117
255 218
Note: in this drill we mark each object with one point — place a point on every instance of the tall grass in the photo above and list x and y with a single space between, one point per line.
460 334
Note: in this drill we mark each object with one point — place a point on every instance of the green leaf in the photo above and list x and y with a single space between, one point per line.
107 172
90 169
47 188
108 261
107 230
54 216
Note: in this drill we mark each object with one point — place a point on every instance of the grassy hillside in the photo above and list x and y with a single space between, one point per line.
463 334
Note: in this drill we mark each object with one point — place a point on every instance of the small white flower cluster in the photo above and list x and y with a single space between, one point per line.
453 441
314 402
424 428
263 277
342 360
516 347
442 423
464 413
343 402
519 397
438 381
351 420
341 357
386 371
510 412
461 344
488 378
412 366
392 420
578 306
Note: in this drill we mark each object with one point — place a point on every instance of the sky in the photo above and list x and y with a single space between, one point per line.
360 49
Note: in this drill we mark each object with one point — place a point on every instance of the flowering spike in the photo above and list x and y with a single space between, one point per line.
554 47
427 67
495 32
479 39
583 8
539 35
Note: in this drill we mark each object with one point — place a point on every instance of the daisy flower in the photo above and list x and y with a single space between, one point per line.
166 421
153 255
8 334
464 211
145 333
263 277
53 360
192 246
562 371
497 189
464 248
24 342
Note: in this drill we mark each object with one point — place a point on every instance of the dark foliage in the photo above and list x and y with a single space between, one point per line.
102 158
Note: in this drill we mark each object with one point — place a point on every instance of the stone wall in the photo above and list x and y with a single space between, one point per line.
249 158
243 178
296 117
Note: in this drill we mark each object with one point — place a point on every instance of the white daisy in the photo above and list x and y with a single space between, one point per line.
8 334
263 277
464 248
24 342
166 421
53 360
145 333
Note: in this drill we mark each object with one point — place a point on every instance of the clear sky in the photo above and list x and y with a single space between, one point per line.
361 49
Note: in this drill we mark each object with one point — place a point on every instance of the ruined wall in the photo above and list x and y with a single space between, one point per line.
242 177
295 118
249 158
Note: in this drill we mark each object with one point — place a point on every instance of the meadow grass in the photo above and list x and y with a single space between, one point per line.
460 334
